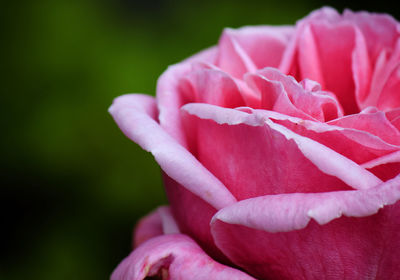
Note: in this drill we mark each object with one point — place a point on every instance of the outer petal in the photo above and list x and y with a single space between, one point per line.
193 215
276 160
158 222
169 100
135 115
274 236
148 227
173 257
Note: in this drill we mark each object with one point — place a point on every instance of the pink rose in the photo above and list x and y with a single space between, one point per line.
280 151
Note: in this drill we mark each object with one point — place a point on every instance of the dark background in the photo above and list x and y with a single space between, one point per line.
72 186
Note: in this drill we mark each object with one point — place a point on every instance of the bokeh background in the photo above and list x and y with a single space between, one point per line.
72 186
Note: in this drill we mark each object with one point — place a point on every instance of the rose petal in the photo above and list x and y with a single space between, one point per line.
357 145
389 97
361 68
231 56
257 167
135 115
316 51
148 227
380 31
173 256
250 48
283 94
169 225
374 123
158 222
193 216
210 86
169 99
385 167
275 236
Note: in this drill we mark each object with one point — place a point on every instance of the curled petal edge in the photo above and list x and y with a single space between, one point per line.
287 212
135 115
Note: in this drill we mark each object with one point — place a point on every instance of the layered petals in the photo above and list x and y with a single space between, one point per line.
333 235
266 164
280 155
357 145
281 93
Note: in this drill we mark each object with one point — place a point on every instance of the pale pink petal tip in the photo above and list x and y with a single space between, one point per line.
136 116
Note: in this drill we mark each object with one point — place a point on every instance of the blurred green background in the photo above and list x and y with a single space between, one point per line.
72 186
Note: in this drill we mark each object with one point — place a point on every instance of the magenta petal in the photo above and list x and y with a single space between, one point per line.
173 257
303 236
135 115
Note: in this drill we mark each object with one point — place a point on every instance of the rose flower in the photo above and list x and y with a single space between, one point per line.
280 153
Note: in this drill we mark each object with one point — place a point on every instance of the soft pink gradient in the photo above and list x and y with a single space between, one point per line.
280 153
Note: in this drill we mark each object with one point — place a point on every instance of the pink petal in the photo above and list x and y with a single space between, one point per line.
385 80
249 48
385 167
232 58
158 222
390 95
361 68
173 257
210 86
148 227
374 123
359 146
193 216
169 225
283 94
318 51
334 235
380 31
169 100
365 40
135 115
256 167
393 114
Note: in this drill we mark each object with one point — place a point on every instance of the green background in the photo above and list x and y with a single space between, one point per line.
72 186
